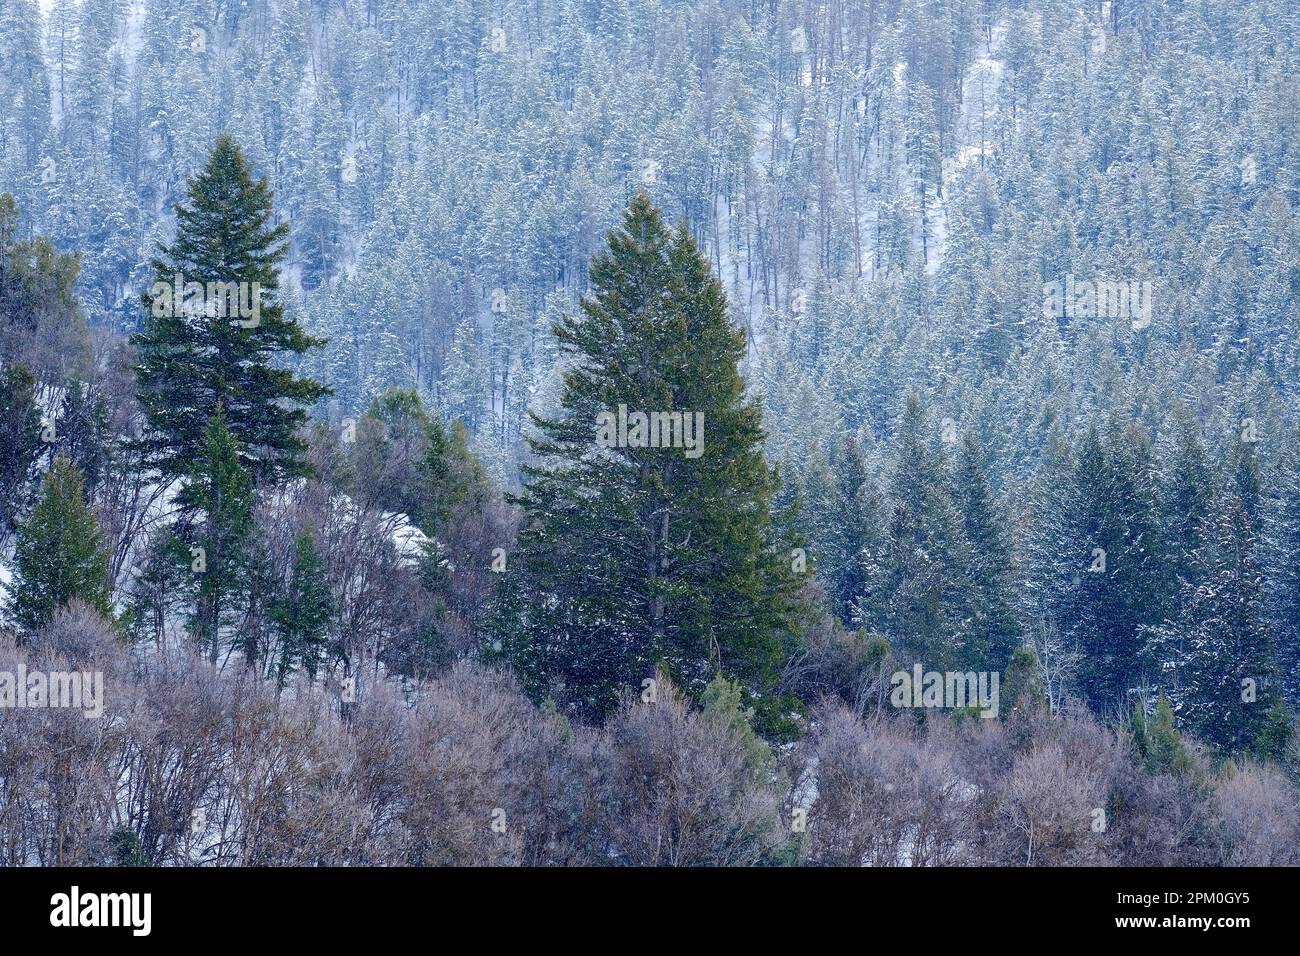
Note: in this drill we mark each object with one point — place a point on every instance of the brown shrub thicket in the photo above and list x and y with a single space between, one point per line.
190 765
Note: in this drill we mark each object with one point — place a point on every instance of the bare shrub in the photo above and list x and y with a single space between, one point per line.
58 772
286 794
174 753
882 797
78 634
1045 811
678 787
459 790
1260 815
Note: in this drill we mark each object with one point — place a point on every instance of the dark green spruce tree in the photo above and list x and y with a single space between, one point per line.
217 524
60 553
1186 498
1112 552
20 424
301 616
1244 467
855 540
636 555
1157 741
225 339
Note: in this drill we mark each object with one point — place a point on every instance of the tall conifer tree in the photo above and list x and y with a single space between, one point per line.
638 556
203 351
926 594
1220 652
995 632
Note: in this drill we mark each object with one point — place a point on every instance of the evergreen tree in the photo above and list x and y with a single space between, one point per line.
41 323
926 598
1050 564
1243 469
83 432
512 634
1023 692
1111 547
723 703
408 460
301 617
638 555
995 632
391 440
1273 742
464 376
20 424
1220 652
1282 545
1157 741
124 848
1187 496
223 343
60 553
451 477
854 539
161 587
217 522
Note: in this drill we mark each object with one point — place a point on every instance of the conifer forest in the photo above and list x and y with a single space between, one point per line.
649 433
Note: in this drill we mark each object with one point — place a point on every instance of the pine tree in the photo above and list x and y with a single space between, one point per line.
60 553
41 323
1023 691
639 555
995 632
161 587
723 704
926 598
1282 546
408 460
854 539
301 616
514 636
1273 742
1110 542
1157 741
217 522
223 343
1187 496
451 477
391 440
124 848
1219 653
464 376
1049 561
83 432
1243 469
20 424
